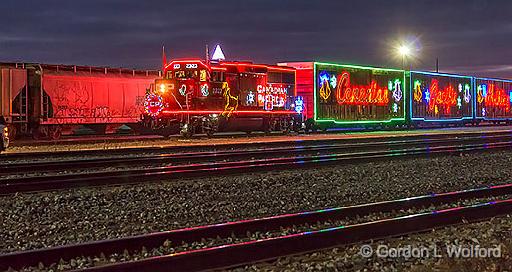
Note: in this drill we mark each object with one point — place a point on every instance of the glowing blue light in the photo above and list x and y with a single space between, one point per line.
299 104
483 111
324 77
390 85
250 98
459 102
484 90
510 95
427 96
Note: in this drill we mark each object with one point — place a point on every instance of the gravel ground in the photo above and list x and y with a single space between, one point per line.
29 221
86 144
170 248
494 234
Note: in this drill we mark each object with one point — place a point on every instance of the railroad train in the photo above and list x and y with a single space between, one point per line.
45 100
196 96
207 96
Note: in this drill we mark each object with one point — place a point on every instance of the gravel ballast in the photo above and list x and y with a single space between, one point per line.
168 247
29 221
444 249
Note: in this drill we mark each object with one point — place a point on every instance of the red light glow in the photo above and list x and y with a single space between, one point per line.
360 95
497 97
259 66
446 98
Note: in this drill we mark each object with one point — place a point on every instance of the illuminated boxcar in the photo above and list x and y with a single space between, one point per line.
350 96
440 98
196 97
493 100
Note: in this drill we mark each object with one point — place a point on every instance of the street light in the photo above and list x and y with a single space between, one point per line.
404 51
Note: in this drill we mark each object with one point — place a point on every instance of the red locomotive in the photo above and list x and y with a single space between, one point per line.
199 97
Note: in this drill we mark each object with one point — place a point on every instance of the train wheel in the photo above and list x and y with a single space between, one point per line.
187 134
187 131
209 133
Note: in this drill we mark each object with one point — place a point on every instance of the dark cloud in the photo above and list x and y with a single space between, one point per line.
468 36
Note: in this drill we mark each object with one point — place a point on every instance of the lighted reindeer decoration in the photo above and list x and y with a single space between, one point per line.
231 100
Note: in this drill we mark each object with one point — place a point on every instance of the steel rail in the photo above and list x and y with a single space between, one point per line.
53 182
233 255
175 149
18 260
12 168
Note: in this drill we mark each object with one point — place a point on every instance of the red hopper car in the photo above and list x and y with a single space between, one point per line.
44 100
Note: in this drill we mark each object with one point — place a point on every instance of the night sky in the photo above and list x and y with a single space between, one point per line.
468 36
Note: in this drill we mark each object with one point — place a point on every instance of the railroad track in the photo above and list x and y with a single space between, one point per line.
428 212
172 158
200 164
236 146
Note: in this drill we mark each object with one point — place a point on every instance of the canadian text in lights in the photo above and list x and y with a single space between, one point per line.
371 94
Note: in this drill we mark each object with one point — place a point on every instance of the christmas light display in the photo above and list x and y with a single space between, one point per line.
417 91
333 81
204 89
275 94
250 98
497 97
218 55
396 87
325 90
444 98
395 107
231 100
183 89
153 104
467 93
440 97
494 99
299 104
360 95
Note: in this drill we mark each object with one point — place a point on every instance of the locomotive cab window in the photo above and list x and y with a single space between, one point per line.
218 76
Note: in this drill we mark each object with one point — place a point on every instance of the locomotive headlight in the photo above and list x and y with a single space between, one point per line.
162 88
